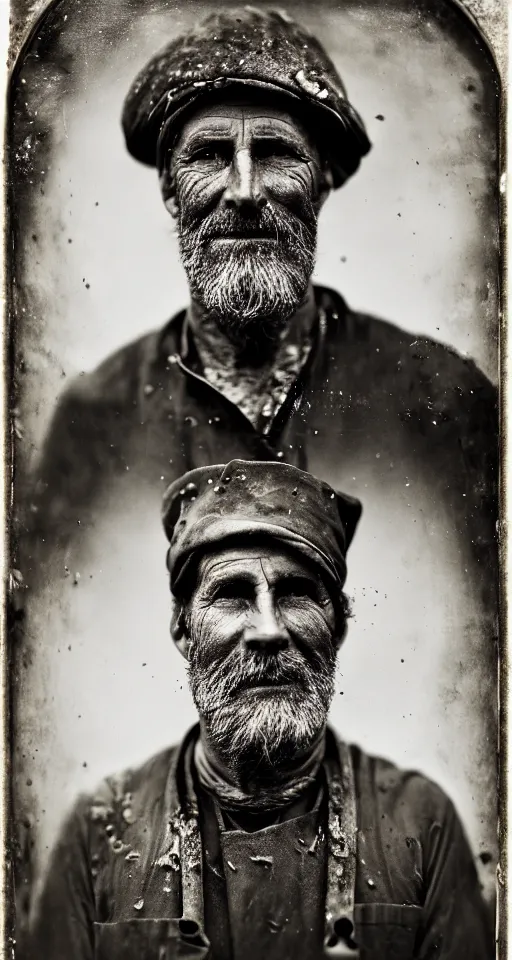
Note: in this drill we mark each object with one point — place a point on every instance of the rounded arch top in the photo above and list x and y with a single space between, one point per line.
487 18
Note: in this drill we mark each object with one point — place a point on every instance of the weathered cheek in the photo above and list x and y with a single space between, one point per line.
216 628
196 189
296 185
309 623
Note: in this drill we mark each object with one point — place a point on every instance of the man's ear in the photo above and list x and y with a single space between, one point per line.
172 207
168 193
179 631
341 633
325 185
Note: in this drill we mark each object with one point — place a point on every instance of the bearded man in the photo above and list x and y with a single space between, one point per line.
250 128
262 835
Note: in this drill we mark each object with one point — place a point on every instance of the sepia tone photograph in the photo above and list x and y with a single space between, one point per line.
254 283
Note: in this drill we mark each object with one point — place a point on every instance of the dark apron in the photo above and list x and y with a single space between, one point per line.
370 931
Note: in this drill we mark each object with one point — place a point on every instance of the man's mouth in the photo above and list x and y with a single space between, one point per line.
246 237
265 685
265 690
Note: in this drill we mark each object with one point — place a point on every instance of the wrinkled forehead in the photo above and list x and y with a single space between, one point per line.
267 559
261 116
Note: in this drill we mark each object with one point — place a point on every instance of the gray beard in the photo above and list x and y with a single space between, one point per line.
255 733
253 290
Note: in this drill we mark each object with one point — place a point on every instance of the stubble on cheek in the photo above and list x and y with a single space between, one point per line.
312 625
296 192
215 654
196 195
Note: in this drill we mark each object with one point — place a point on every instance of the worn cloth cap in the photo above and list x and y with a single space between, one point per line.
213 507
251 48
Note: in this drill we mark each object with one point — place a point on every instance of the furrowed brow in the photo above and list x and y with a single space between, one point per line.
217 131
216 578
263 127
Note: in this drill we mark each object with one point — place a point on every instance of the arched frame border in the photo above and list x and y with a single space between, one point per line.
490 20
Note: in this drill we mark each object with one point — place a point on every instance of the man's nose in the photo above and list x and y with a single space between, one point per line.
265 633
244 188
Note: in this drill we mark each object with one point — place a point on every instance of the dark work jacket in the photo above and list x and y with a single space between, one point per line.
375 408
115 887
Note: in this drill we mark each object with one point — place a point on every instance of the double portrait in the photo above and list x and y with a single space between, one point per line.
254 288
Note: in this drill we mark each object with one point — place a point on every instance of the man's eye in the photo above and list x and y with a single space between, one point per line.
299 588
232 590
218 154
273 149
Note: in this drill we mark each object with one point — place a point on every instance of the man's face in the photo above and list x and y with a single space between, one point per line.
248 187
262 655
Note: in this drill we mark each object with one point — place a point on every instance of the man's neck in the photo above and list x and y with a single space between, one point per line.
264 790
219 350
254 380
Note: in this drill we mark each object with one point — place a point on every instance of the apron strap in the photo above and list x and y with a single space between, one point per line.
341 856
191 848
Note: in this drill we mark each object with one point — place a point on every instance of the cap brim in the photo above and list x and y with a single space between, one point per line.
342 138
224 531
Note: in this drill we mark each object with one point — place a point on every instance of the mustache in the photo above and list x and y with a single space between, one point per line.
231 223
241 670
266 223
274 669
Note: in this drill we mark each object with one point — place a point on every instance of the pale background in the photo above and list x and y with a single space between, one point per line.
411 238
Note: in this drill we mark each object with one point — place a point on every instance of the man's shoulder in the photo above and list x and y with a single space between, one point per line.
395 348
135 786
120 377
114 377
123 799
406 796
